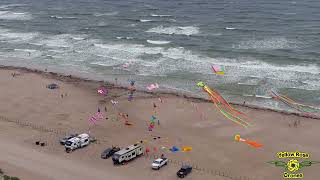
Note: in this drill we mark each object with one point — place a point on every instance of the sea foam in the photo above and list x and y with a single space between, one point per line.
186 30
158 42
8 15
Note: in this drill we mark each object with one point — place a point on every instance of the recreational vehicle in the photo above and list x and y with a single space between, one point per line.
77 142
127 154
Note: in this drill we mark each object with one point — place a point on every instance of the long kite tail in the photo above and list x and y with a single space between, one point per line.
221 99
303 106
254 144
224 107
234 118
292 102
230 116
308 110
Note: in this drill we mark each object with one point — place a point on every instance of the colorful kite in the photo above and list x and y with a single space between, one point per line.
217 69
114 102
152 122
251 143
152 86
98 116
224 107
131 82
125 65
102 90
186 149
308 110
174 149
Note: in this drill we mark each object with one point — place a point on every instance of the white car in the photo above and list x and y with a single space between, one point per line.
158 163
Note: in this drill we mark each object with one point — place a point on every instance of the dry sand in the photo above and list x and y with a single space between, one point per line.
30 112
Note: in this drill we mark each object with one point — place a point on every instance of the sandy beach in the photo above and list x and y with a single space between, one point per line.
30 112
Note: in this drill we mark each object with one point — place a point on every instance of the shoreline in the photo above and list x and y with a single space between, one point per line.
73 79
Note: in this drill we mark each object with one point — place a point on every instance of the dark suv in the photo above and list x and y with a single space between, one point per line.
109 152
185 170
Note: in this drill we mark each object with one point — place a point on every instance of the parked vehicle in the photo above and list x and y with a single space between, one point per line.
109 152
66 138
77 142
185 170
158 163
127 154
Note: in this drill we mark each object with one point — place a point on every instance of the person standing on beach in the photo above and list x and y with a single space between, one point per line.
131 90
98 110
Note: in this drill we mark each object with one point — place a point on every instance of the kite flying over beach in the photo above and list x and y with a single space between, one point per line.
217 69
152 86
251 143
102 91
308 110
95 118
224 107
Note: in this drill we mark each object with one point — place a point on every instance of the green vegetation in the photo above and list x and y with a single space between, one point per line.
6 177
14 178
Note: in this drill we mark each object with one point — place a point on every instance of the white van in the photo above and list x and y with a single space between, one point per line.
77 142
127 154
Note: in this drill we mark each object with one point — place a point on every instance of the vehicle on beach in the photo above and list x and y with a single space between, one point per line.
66 138
109 152
77 142
159 163
184 170
127 154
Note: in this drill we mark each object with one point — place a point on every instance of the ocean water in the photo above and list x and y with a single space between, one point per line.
263 45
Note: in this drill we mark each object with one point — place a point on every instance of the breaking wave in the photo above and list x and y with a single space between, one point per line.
160 15
128 38
158 42
186 30
267 44
230 28
145 20
106 14
60 17
8 15
14 37
11 5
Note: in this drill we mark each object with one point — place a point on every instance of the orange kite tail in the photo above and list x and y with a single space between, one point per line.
253 144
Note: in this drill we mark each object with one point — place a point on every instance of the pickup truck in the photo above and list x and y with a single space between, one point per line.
158 163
